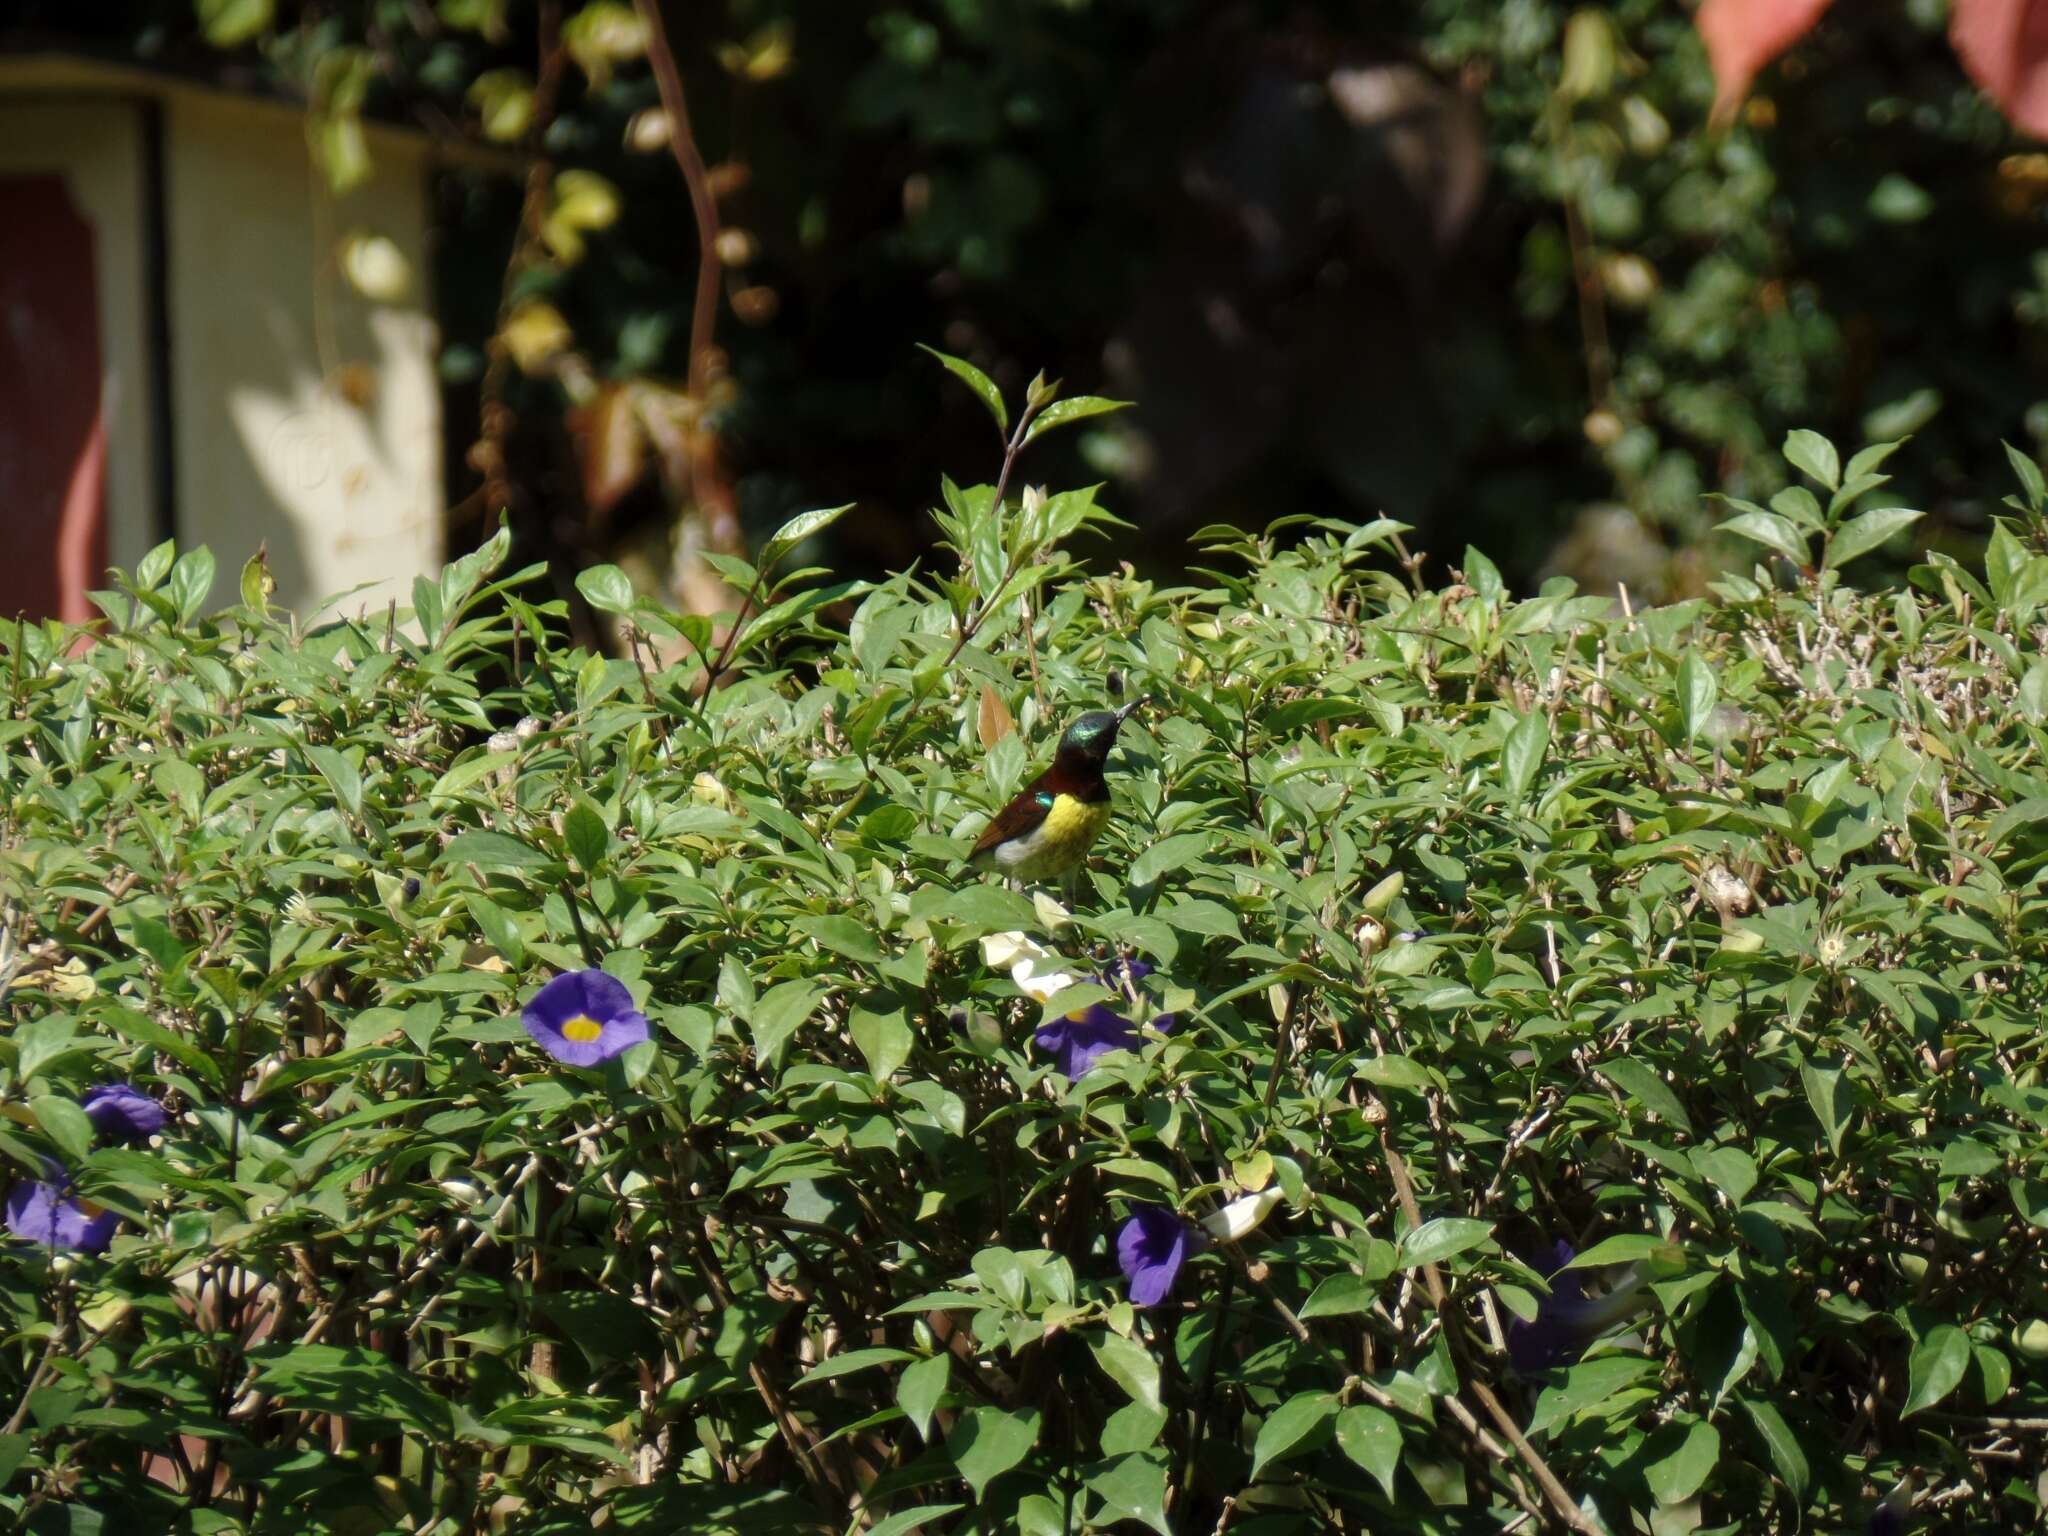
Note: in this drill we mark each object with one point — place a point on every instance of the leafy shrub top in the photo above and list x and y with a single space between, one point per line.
1714 955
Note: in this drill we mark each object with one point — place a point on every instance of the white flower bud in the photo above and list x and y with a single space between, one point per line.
1242 1216
1036 970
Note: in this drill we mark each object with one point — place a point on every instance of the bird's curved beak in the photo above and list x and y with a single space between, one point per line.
1129 709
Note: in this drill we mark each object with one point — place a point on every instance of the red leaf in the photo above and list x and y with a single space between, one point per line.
2004 46
1742 36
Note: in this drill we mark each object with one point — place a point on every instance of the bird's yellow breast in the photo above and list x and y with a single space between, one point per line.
1074 821
1057 843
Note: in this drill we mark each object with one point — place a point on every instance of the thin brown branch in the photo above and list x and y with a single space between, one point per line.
494 422
707 490
1560 1497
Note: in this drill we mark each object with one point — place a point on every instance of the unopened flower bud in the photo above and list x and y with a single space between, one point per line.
1242 1216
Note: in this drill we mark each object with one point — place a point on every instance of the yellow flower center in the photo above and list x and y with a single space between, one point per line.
1078 1016
91 1208
582 1029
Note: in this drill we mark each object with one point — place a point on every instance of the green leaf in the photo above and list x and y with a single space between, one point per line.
1729 1169
178 780
1824 1093
14 1450
606 588
915 1518
1683 1470
154 938
1168 853
1622 1248
982 385
468 772
65 1124
1772 531
2005 557
341 777
231 23
1591 1387
492 850
1814 455
1936 1367
1862 534
844 936
1522 756
497 926
1866 461
919 1388
256 586
796 530
850 1362
906 1520
584 831
356 1382
1646 1086
1698 691
779 1013
2028 471
1341 1295
1396 1072
1130 1365
1371 1437
1133 1487
1298 1425
1064 412
987 1442
884 1039
1898 199
1781 1442
1446 1236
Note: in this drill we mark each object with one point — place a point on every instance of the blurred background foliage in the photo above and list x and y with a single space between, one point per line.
1480 266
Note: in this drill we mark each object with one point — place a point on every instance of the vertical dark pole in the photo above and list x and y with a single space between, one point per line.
156 258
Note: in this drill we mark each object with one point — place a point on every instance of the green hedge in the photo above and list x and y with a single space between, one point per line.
1702 940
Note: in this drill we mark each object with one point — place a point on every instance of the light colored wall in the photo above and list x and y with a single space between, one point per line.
267 340
96 146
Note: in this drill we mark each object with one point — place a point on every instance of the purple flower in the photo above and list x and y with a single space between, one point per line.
584 1017
47 1212
1150 1250
1079 1040
120 1112
1567 1320
1890 1516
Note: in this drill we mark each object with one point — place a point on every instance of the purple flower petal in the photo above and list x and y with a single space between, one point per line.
1566 1320
1078 1041
1150 1250
1081 1039
122 1113
46 1212
584 1017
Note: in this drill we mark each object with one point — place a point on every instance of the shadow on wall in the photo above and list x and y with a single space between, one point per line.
327 394
338 462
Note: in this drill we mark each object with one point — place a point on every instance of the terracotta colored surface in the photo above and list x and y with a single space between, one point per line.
53 530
